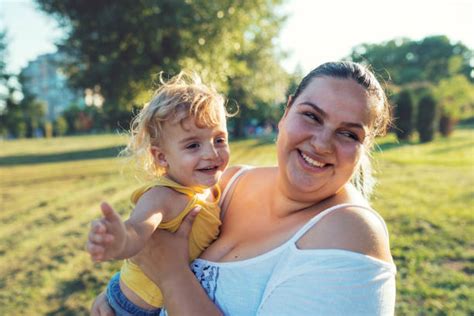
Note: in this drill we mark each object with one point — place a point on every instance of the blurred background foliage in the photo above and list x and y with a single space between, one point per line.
118 49
122 45
51 187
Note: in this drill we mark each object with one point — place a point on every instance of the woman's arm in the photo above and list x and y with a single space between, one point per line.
166 262
350 228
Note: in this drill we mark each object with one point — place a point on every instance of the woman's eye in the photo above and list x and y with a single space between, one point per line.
192 146
350 135
312 116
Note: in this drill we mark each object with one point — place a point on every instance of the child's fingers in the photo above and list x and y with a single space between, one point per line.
96 238
97 258
94 249
100 238
97 226
109 213
108 238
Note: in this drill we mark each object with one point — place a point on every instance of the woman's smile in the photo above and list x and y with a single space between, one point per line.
313 164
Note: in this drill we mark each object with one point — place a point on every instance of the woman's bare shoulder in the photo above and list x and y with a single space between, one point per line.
228 174
233 170
352 228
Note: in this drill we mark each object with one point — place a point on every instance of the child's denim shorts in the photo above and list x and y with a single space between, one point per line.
121 304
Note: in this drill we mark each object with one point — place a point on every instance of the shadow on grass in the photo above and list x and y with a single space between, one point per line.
66 291
107 152
68 294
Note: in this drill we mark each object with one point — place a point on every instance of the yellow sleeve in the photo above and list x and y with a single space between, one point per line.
136 195
173 224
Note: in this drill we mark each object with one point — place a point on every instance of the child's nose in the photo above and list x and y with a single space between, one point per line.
211 152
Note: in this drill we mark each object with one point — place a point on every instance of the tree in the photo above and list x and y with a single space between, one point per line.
33 110
60 126
120 45
4 91
259 87
11 117
456 98
405 61
404 111
4 76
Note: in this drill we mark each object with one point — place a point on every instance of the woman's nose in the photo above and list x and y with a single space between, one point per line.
322 142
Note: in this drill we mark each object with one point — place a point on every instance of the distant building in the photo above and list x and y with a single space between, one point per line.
45 79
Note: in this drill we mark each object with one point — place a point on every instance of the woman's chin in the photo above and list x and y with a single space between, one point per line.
303 185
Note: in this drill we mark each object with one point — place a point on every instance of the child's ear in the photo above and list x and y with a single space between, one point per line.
159 156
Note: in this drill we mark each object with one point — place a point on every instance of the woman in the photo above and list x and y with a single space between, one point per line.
299 238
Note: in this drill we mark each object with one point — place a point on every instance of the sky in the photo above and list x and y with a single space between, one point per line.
315 32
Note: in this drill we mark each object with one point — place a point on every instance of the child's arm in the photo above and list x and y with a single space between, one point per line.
113 239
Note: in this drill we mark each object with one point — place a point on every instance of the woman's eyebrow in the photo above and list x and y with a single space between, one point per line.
315 107
324 115
354 125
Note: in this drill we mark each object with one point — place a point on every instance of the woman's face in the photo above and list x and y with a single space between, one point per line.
321 136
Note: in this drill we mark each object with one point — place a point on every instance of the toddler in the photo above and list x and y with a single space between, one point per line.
180 138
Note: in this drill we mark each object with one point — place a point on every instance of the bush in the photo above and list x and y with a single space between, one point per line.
21 130
447 124
60 126
48 129
426 119
404 115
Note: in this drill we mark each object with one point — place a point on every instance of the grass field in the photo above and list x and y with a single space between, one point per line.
50 191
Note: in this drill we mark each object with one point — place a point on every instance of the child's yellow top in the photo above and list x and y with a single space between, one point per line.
204 231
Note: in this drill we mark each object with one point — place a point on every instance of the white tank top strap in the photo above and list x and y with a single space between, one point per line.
318 217
230 185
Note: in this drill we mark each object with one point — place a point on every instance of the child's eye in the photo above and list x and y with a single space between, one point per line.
220 140
193 146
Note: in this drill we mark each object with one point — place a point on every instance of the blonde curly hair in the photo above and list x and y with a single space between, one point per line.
176 99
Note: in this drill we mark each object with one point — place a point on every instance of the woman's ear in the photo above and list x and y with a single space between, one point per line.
159 156
288 105
290 101
287 108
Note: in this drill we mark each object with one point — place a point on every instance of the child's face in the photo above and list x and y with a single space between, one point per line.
194 156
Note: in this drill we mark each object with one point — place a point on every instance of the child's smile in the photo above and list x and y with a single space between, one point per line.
194 156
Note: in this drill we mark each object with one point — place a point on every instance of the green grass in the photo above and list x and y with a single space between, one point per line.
50 191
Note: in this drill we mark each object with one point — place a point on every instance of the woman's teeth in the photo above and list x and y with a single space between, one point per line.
312 162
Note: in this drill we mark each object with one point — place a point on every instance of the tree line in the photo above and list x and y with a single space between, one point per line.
120 46
430 81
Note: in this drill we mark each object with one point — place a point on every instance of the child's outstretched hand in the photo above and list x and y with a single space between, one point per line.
107 236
